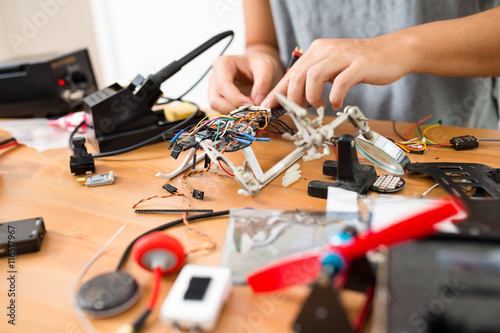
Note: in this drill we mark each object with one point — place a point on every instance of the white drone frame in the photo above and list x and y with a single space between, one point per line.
311 135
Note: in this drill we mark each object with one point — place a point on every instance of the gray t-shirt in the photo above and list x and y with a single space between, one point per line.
469 102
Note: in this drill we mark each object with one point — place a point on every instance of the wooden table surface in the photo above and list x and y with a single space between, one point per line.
80 219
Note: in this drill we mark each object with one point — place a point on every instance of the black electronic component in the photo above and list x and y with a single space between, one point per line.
118 117
388 184
170 188
81 161
45 85
197 194
23 236
351 175
464 142
108 294
197 288
176 151
207 162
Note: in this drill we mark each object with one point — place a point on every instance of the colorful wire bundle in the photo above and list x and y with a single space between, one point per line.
420 143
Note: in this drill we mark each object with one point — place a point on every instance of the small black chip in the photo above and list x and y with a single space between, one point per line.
197 288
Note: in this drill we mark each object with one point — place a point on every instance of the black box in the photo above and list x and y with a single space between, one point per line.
45 85
23 236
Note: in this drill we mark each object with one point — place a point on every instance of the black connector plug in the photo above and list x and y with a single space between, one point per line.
464 142
170 188
81 161
197 194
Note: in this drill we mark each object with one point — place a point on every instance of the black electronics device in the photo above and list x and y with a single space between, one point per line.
351 175
45 85
23 236
119 117
108 294
446 283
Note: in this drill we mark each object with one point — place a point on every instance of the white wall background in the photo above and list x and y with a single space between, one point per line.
124 37
30 27
144 36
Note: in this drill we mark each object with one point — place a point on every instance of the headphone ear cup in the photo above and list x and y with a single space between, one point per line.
158 249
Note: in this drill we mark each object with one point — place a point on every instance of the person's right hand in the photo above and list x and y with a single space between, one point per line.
239 80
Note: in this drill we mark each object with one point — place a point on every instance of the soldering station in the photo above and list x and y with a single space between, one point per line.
119 119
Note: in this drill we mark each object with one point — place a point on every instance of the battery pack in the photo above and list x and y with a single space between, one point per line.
196 298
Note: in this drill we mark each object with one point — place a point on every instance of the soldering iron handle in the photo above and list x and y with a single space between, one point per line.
176 65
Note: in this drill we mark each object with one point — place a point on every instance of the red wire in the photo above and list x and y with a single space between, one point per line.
156 288
220 164
13 143
415 125
360 319
336 152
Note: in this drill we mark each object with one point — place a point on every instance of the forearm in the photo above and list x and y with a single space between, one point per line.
259 27
464 47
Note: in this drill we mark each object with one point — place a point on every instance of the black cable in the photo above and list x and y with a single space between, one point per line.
272 125
397 133
140 321
7 141
207 71
284 125
163 227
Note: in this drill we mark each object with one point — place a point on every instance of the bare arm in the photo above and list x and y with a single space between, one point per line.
247 79
463 47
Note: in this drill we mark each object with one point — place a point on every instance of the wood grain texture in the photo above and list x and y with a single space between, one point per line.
80 219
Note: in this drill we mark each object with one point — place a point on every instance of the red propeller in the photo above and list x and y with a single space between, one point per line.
305 267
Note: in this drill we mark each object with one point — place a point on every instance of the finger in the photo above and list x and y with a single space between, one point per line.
223 79
318 75
222 106
297 87
282 87
341 85
218 102
262 70
233 95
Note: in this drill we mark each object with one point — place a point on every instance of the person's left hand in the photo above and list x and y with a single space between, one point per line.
343 62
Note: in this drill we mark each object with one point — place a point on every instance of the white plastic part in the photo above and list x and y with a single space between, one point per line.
252 161
312 157
291 175
187 163
289 180
189 312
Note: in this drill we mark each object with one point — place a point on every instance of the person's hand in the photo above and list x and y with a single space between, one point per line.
344 63
239 80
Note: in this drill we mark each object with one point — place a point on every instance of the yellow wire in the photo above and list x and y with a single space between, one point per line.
428 128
